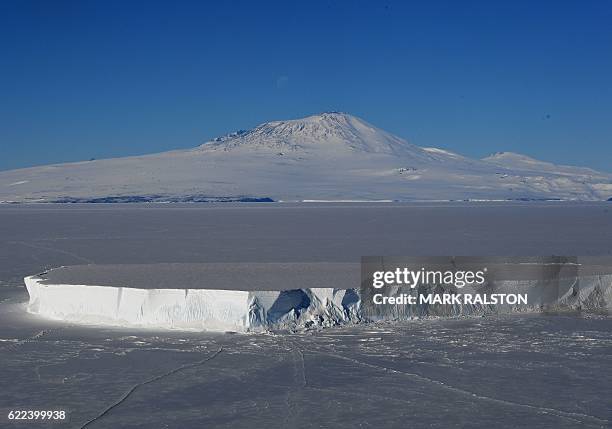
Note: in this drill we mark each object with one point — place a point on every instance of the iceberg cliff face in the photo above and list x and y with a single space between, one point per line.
171 308
252 311
201 309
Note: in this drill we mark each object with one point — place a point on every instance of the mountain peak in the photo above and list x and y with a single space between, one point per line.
337 131
332 113
330 119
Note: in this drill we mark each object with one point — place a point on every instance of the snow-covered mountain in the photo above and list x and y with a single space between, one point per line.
330 156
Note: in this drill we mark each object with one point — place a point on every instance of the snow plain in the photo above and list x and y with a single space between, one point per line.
545 371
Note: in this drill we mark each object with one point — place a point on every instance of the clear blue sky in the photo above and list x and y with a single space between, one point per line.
82 79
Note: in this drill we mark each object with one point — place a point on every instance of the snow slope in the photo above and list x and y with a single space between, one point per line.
330 156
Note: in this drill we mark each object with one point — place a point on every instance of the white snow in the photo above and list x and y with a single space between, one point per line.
520 162
331 156
439 151
199 309
216 310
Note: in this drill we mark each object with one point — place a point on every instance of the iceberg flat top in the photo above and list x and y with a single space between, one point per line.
216 276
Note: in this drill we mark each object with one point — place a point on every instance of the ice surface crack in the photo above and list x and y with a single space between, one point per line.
37 336
299 378
127 394
552 411
51 249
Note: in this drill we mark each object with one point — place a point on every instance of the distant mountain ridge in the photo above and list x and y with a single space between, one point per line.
329 156
524 162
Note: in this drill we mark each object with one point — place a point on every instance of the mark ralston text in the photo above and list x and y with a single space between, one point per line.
451 299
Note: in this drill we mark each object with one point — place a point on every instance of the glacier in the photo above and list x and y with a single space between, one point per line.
222 309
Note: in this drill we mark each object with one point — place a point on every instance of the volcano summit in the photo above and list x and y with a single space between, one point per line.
329 156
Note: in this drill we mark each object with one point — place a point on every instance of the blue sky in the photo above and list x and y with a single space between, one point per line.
88 79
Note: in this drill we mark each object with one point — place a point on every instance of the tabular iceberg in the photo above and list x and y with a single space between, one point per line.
211 309
201 309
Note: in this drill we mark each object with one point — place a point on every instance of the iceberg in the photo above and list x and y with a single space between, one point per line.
199 309
209 296
213 297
